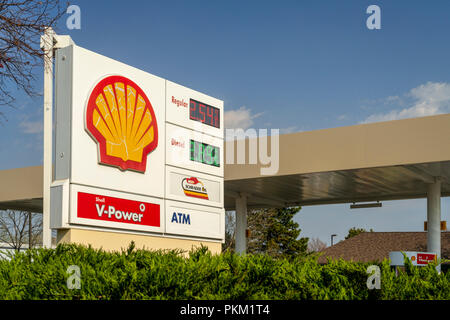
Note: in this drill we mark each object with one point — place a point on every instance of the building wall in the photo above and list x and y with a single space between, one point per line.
114 241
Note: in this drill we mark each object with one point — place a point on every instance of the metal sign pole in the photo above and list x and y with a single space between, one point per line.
47 45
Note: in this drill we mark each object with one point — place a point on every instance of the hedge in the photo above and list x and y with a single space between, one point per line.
142 274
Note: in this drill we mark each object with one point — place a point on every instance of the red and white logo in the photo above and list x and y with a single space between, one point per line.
99 207
193 187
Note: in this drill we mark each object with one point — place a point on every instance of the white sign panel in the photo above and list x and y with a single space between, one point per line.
416 258
194 220
193 187
194 151
194 110
119 160
117 117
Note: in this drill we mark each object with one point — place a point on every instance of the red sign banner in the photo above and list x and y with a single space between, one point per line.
98 207
425 258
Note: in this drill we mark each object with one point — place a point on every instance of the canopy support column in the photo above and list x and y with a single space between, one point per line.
434 218
241 224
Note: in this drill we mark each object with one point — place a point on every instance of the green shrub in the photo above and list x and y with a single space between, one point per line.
142 274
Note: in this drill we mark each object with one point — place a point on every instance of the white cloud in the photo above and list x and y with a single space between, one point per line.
240 118
32 127
392 99
427 99
290 129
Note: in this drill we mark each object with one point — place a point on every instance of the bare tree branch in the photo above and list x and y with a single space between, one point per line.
14 228
21 25
230 230
316 245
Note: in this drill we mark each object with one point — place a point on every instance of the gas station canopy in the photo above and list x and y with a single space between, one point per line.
367 162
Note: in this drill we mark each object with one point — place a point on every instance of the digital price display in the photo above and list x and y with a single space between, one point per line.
205 153
204 113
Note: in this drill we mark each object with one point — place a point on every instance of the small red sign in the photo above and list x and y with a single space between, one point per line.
425 258
98 207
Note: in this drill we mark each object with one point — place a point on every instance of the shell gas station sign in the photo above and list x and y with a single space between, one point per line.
134 152
417 258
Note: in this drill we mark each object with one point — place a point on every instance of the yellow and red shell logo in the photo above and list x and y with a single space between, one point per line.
120 118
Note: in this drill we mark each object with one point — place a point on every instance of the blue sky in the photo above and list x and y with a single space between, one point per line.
293 65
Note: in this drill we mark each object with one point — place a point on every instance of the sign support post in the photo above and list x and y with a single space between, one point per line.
47 45
49 42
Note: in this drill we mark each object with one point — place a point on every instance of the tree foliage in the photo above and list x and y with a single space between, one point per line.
141 274
274 232
271 231
355 231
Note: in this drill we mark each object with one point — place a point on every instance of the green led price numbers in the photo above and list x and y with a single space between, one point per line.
205 153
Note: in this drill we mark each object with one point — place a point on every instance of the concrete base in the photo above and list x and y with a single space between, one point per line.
114 241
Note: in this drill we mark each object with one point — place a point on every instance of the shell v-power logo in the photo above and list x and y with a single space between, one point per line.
120 118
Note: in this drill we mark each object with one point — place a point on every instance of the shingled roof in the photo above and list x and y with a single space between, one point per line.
375 246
